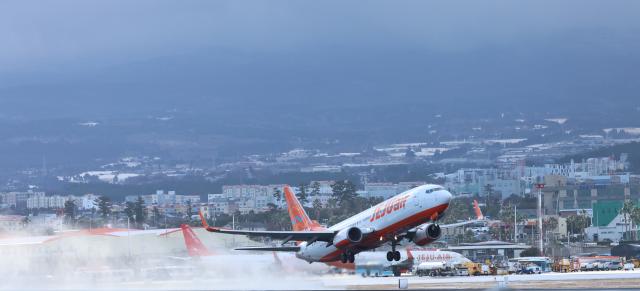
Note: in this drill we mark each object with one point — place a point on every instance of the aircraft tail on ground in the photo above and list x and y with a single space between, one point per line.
299 218
195 247
476 208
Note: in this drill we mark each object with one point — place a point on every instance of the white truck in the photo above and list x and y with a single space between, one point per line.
430 269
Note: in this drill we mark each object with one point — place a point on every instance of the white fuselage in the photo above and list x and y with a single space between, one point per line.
382 222
419 256
446 257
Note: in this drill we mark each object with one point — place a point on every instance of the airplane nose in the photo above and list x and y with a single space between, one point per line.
446 196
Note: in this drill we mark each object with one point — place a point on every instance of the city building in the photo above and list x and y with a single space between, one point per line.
566 195
18 200
162 198
84 202
607 223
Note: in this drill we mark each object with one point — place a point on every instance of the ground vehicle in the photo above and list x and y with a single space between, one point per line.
461 271
485 270
614 265
629 267
562 266
430 269
544 263
531 269
587 266
513 267
374 270
473 269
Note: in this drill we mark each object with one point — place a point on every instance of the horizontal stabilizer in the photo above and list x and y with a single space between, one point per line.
270 249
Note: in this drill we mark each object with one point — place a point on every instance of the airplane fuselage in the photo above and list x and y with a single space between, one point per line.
382 223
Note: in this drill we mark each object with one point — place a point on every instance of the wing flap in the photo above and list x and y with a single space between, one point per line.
321 235
326 236
270 249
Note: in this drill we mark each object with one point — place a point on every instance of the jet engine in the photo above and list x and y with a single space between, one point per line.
426 234
348 236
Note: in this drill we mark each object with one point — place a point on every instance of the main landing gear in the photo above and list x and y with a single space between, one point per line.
347 257
393 255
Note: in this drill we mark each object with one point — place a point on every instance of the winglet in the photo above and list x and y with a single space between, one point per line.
204 221
205 224
476 208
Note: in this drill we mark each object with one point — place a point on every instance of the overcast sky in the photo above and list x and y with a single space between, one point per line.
202 55
42 35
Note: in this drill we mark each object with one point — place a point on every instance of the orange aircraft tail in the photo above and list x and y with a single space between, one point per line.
299 218
476 208
195 247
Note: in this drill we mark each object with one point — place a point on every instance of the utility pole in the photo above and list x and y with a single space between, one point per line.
128 238
540 186
515 223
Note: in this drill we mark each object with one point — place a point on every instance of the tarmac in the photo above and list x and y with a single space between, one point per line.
606 280
603 280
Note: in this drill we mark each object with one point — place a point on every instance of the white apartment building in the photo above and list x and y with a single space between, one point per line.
18 200
84 202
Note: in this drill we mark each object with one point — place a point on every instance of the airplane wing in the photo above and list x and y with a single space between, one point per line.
26 240
479 217
273 249
286 236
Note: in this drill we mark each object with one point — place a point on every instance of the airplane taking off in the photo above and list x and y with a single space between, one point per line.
411 215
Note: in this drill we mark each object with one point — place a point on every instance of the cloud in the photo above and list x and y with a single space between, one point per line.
81 33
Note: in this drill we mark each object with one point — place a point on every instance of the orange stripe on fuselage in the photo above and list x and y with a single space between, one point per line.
373 239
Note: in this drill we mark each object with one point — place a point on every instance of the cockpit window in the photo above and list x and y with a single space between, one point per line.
434 189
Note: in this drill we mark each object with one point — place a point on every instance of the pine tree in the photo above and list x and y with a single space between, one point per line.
140 212
189 209
129 210
277 194
317 206
156 215
315 189
344 191
302 194
104 206
70 210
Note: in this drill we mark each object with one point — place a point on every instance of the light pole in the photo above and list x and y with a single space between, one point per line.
515 223
128 238
540 186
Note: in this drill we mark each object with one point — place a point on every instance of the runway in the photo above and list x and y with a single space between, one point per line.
610 280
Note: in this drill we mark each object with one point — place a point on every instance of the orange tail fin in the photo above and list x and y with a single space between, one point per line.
299 218
409 255
195 247
476 208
